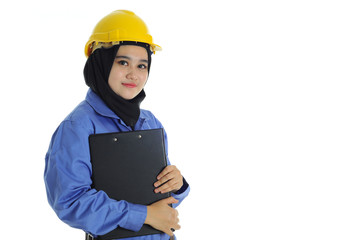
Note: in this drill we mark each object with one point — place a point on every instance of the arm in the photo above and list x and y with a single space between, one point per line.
171 180
178 187
68 183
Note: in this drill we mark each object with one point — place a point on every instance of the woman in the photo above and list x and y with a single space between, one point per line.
119 59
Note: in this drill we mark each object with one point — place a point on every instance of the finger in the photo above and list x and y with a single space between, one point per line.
176 227
169 200
169 178
175 174
162 188
167 187
165 171
169 232
172 185
164 179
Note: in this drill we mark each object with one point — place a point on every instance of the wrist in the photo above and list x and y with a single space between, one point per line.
148 215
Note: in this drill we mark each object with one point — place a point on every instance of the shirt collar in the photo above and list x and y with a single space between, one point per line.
101 108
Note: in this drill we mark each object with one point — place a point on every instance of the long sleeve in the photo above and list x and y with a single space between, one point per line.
68 184
183 192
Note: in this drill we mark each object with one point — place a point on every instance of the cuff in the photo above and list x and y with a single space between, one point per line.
181 193
135 218
183 188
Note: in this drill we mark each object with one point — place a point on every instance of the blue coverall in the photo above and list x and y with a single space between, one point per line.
68 172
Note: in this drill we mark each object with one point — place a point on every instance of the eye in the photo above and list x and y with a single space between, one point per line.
123 63
142 66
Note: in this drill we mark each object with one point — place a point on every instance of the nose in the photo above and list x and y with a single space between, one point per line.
131 75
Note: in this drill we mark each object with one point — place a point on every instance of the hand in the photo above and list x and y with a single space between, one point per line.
163 217
171 178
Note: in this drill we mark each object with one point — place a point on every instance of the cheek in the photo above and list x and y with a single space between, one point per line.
143 77
114 76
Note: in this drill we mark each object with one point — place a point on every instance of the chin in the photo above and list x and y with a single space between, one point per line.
128 97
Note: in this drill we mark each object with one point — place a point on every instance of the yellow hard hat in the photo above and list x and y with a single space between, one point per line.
120 25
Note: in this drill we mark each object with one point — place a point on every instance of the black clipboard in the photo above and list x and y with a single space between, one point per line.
125 166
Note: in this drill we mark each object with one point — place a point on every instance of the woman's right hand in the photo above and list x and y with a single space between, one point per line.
163 217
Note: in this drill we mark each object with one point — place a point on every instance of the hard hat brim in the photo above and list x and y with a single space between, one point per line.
88 47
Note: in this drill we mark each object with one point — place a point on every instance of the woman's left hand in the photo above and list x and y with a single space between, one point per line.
171 178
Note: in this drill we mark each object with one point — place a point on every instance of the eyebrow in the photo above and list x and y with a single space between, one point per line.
126 57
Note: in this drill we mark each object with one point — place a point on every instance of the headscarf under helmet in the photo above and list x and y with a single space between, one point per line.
96 73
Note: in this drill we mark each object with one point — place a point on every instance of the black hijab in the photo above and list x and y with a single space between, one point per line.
96 73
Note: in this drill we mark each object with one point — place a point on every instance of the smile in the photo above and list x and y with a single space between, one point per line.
129 85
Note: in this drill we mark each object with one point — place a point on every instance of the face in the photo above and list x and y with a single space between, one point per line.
129 71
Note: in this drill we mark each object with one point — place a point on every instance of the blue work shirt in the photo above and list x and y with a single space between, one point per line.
68 172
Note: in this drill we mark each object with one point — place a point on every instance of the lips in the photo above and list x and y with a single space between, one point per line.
129 85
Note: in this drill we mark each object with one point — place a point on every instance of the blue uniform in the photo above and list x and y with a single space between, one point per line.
68 172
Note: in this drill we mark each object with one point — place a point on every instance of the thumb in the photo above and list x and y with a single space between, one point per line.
170 200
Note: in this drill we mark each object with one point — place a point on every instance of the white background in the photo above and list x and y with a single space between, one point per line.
254 95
